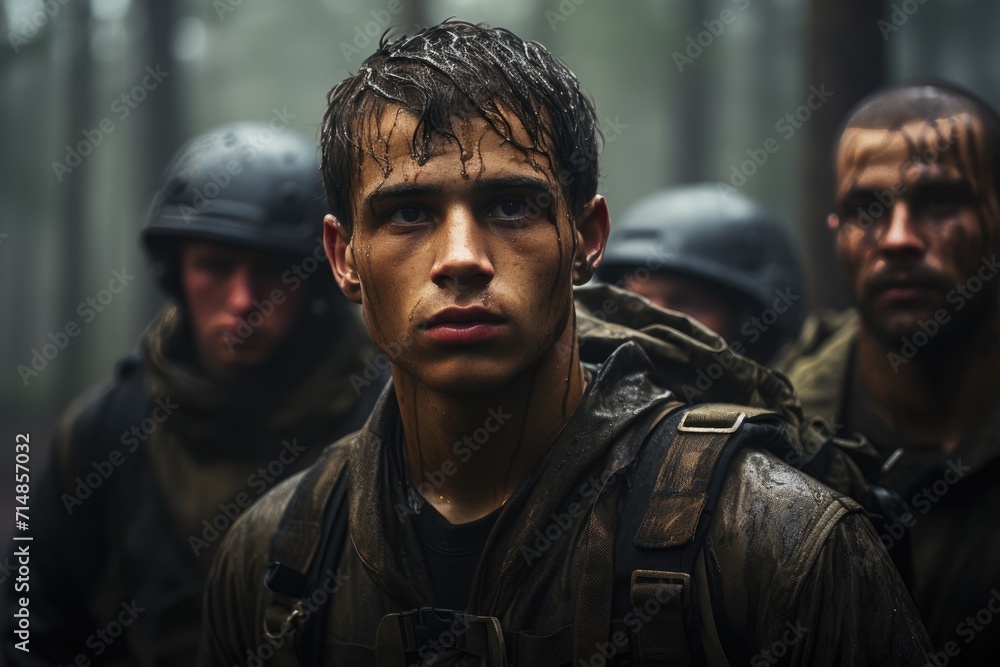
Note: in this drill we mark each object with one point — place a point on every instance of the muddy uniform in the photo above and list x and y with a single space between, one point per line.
954 499
789 572
150 470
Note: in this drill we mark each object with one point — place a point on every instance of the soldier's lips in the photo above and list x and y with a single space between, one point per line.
463 333
907 293
463 326
898 289
238 336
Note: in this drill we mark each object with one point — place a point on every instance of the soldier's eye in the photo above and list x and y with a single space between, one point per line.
408 215
942 201
514 211
214 266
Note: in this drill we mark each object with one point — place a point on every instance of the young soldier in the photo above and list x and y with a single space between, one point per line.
238 382
504 503
717 256
915 367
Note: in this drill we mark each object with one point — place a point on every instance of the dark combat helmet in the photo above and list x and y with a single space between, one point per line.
244 184
711 232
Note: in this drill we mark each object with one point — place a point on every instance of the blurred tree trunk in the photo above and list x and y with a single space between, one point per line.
694 112
846 52
74 33
163 126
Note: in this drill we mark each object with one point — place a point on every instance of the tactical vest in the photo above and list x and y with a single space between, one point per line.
648 550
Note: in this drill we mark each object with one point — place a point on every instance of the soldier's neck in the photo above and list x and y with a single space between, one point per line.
466 455
936 392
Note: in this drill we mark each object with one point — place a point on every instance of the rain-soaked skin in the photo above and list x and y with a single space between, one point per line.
901 266
477 222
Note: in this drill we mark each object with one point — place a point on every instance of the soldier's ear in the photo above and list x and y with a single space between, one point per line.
340 252
833 222
592 229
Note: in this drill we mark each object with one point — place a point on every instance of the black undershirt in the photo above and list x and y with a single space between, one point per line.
452 553
450 550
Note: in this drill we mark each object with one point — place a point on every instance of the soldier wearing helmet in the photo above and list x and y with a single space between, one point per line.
254 364
717 256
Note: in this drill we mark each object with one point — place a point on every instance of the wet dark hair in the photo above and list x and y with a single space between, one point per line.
456 71
927 100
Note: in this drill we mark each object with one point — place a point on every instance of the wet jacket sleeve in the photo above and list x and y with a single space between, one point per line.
856 606
797 576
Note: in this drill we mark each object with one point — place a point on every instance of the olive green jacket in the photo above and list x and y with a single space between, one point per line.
953 500
790 571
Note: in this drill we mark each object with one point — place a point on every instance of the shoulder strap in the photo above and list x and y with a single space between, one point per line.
308 542
668 518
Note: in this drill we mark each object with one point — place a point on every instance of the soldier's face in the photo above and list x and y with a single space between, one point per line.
910 232
464 268
238 308
702 301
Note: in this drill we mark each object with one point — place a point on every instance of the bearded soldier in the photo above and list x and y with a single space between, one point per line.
914 367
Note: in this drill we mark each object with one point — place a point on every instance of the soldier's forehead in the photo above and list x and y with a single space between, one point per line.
912 137
390 147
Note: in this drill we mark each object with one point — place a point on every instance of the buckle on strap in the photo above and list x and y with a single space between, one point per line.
282 616
285 608
705 421
663 597
437 630
649 584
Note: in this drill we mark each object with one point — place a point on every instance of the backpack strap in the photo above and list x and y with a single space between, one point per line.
681 491
669 518
310 537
